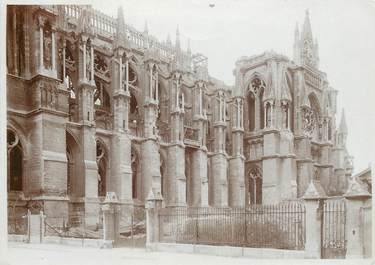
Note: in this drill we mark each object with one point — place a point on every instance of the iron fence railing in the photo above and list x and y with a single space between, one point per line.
18 224
132 230
261 226
77 225
333 228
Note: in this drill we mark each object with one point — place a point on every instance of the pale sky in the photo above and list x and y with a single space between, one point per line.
345 31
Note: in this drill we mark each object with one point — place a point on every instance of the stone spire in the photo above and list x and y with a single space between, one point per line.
178 45
306 31
307 49
169 42
188 46
120 38
296 50
316 51
146 27
178 52
343 128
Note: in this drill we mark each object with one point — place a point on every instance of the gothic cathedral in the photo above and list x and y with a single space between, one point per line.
96 106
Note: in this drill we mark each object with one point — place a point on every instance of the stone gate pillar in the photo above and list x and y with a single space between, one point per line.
153 206
356 197
111 220
313 207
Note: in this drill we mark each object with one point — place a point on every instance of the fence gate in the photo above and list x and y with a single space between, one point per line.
132 228
333 229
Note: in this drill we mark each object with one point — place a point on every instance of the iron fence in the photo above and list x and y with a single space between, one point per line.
366 222
333 229
77 225
18 224
132 230
279 226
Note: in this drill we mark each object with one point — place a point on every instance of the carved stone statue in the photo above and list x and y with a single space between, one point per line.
47 50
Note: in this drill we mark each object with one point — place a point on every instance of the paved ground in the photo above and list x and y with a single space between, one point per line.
49 254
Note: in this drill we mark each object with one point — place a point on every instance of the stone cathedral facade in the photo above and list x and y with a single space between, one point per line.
97 106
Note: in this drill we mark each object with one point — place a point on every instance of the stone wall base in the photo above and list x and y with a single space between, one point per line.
227 251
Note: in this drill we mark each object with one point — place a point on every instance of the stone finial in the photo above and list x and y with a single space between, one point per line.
355 189
120 38
269 93
285 93
84 21
314 191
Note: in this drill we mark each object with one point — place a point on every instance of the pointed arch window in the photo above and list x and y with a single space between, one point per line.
251 110
70 170
162 175
285 114
15 162
254 186
329 130
134 166
101 97
268 112
101 160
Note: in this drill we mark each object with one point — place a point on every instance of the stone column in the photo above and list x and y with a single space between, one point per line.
304 163
150 168
53 55
176 179
199 178
236 190
90 170
153 206
219 163
314 210
199 156
288 168
356 197
41 21
271 167
121 178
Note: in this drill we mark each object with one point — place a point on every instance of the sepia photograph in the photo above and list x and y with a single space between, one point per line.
182 132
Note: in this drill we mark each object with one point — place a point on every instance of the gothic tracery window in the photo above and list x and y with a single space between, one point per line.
15 162
254 186
257 85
